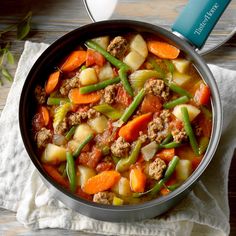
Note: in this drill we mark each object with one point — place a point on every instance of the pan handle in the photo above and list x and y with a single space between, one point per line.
198 19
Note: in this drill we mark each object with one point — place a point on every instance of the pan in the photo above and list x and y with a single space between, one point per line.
189 33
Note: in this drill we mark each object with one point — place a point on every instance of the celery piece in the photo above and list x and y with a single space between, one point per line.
117 201
139 77
60 114
108 111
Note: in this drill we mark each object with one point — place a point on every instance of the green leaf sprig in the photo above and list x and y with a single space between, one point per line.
6 56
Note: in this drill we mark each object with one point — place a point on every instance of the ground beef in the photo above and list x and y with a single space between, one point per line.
143 137
104 197
179 135
118 47
105 165
165 116
43 137
62 127
120 148
154 127
157 87
156 168
110 94
80 116
68 84
158 127
40 94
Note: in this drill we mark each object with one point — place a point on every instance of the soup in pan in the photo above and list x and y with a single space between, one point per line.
122 119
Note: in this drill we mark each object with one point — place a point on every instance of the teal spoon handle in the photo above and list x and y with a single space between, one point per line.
198 19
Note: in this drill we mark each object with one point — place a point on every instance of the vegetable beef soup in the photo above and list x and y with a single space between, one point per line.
122 120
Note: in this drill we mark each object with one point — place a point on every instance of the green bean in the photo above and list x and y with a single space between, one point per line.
155 189
167 139
123 77
171 168
56 101
81 146
114 61
173 186
125 163
98 86
179 90
176 102
170 66
189 130
203 144
70 170
70 133
170 145
132 107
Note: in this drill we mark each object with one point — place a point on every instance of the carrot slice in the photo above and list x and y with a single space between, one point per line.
52 82
162 49
45 114
130 131
74 60
137 180
52 171
77 98
166 154
101 182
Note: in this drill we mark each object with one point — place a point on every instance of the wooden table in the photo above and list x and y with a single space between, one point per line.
52 19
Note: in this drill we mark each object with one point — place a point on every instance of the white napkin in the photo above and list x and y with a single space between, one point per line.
204 211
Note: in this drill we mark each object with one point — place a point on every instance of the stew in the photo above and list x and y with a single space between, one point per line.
122 120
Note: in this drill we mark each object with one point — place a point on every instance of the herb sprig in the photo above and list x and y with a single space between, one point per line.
6 56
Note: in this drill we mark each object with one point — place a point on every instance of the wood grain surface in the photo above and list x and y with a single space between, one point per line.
52 19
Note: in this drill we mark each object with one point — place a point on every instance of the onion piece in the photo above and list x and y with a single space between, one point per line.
59 139
149 151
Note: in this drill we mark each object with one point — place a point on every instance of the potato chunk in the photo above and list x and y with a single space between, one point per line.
84 173
88 76
102 41
99 124
139 45
180 78
53 154
106 72
192 111
122 187
82 132
181 65
134 60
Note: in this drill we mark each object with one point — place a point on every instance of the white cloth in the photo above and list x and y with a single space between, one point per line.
204 211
